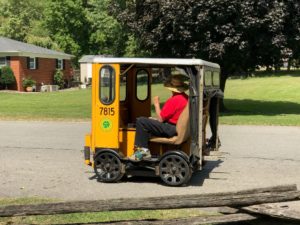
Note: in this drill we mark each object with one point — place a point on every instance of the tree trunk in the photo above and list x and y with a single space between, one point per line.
289 65
224 76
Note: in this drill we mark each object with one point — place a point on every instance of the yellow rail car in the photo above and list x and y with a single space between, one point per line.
121 92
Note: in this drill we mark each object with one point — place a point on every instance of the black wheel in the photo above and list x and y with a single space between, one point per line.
174 170
108 167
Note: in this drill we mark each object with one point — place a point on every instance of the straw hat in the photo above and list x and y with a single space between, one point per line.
176 84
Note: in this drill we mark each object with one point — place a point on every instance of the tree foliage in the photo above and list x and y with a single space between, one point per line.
17 17
59 78
68 26
107 36
85 27
6 76
292 30
22 21
77 27
239 35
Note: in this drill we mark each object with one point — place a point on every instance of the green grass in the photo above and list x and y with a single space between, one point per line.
94 217
25 201
70 105
263 101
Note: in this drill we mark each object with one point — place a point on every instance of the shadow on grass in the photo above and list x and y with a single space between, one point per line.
283 73
256 107
292 73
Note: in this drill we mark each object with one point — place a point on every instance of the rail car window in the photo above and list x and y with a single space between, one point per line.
208 78
107 85
142 82
216 79
123 87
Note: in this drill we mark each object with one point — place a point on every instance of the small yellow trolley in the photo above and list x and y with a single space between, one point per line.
121 92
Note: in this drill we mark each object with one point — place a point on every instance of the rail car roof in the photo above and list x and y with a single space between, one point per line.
148 61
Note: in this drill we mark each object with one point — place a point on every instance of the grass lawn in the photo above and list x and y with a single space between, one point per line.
262 100
64 105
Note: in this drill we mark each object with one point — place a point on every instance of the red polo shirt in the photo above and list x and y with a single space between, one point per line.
173 107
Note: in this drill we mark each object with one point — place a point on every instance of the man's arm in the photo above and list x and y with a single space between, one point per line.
157 108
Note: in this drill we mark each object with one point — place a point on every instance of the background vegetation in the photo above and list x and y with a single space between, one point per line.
261 100
273 100
6 76
240 35
77 27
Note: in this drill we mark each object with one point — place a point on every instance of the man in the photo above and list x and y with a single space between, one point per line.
167 117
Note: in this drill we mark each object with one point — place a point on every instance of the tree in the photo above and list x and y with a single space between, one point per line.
7 76
107 35
68 26
292 31
23 21
239 35
17 17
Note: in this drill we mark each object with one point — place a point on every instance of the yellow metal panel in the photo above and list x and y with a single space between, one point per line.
88 140
95 67
105 118
126 138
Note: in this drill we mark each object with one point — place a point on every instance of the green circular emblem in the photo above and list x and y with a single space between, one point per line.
106 124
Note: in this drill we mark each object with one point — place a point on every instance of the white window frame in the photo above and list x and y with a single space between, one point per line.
5 61
32 63
60 64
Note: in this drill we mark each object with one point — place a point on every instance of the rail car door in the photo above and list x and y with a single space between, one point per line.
105 108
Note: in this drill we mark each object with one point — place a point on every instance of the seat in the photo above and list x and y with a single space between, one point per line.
182 129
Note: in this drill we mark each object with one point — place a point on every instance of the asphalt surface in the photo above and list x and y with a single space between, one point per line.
45 159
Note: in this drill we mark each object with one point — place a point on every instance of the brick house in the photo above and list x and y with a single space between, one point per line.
27 60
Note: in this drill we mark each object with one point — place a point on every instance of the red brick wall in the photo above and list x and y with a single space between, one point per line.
68 71
44 73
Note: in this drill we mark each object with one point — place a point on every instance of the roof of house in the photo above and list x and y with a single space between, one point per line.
147 61
9 47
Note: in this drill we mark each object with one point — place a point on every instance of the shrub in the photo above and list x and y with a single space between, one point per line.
7 76
59 78
28 82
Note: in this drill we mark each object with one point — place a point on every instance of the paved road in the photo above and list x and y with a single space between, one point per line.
45 159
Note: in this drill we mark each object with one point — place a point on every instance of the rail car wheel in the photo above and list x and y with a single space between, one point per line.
108 167
174 170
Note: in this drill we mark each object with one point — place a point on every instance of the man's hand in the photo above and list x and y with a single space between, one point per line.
156 101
